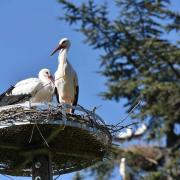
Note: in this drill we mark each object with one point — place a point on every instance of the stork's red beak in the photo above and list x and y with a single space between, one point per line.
51 78
56 49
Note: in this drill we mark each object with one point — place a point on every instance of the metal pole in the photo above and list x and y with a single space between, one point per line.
42 168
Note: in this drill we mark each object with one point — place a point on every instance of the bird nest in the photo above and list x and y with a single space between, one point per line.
74 141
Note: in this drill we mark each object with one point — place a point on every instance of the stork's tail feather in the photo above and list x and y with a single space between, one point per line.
75 99
14 99
7 92
56 94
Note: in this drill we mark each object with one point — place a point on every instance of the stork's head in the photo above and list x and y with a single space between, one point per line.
63 44
45 75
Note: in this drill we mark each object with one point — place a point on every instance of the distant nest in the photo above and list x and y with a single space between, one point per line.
74 141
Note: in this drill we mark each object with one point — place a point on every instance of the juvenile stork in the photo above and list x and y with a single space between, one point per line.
66 80
39 89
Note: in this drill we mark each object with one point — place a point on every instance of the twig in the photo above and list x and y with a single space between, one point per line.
95 108
57 177
41 134
32 133
122 127
89 116
130 112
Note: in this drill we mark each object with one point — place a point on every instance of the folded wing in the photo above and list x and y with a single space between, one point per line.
27 86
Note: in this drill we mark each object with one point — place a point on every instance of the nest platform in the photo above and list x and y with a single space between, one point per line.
73 142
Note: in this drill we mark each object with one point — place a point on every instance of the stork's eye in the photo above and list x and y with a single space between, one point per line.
64 43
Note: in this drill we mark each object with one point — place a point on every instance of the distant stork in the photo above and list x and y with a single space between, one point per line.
66 80
39 89
129 133
124 170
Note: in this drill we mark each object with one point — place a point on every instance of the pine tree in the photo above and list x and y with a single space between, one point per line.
138 61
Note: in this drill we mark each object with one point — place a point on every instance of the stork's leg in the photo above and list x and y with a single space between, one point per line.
66 101
68 110
49 107
30 103
72 111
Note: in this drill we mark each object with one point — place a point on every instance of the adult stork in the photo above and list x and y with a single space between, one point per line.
40 89
66 80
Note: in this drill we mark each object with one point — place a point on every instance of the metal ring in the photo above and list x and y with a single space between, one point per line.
38 178
37 165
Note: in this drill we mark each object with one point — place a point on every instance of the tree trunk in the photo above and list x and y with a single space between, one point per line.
171 136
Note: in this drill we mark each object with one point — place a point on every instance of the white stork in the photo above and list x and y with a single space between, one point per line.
41 89
140 130
124 170
66 80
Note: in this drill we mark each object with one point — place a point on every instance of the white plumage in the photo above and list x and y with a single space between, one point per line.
124 170
128 133
140 130
66 80
41 89
125 134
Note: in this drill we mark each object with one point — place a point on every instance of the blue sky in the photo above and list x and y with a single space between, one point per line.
29 31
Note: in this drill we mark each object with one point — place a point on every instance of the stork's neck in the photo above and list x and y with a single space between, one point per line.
62 56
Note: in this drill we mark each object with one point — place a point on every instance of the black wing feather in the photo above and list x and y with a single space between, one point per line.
7 99
56 94
76 98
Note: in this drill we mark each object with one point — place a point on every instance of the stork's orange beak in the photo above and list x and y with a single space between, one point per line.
56 49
